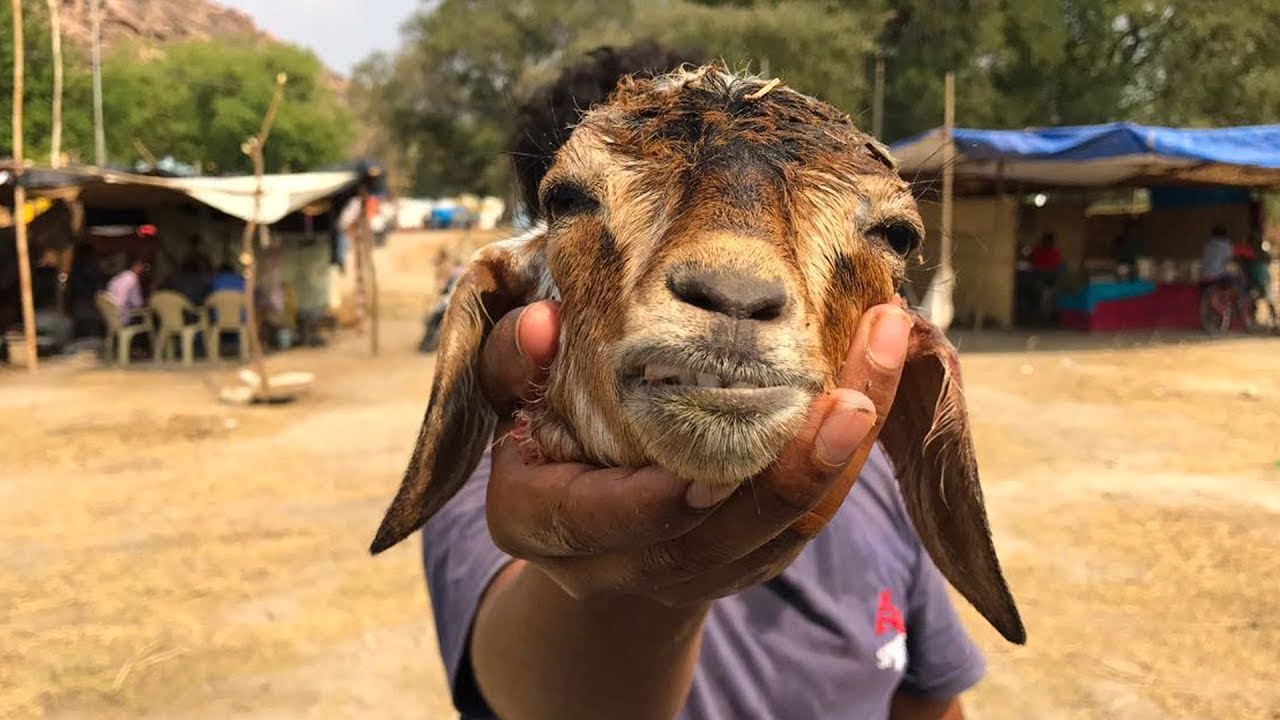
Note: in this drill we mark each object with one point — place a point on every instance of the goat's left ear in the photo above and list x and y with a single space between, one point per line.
927 437
459 420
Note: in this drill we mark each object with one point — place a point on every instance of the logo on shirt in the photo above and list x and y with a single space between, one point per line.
893 654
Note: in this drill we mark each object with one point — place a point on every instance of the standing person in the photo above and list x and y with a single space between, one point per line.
1215 260
126 289
857 625
1255 260
1046 263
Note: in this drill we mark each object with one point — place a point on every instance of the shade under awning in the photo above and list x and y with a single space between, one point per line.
281 194
1102 155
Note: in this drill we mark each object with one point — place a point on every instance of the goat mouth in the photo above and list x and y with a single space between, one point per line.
709 420
661 370
708 387
656 375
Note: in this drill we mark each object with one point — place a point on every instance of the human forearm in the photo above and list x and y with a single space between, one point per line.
539 653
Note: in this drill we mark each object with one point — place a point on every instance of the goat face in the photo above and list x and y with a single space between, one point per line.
714 251
714 240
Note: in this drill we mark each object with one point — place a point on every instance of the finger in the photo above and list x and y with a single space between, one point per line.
517 353
753 516
760 566
573 509
879 349
874 366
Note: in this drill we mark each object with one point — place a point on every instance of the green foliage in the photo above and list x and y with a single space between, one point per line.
449 95
194 101
37 95
441 107
199 102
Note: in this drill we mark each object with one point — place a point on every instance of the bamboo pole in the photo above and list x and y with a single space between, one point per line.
99 133
948 169
939 299
20 192
253 148
366 243
55 35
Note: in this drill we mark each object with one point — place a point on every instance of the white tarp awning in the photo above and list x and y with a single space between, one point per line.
281 194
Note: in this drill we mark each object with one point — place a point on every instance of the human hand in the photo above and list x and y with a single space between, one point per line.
643 531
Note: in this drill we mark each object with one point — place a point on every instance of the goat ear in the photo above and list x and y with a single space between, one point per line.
927 437
459 420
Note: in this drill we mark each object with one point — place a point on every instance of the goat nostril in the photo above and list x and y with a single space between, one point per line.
728 292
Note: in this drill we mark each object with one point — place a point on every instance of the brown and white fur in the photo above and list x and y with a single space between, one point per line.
714 240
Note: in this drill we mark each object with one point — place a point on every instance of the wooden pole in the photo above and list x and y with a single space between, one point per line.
948 167
938 303
55 35
99 133
20 193
366 245
253 148
877 100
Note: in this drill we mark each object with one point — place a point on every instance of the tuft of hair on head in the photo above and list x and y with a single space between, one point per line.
545 121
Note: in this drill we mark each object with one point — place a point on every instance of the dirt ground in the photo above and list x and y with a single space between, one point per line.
166 556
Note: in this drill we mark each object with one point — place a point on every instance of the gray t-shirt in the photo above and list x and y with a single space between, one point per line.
860 614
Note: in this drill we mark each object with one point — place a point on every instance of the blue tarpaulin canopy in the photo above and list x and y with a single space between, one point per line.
1103 155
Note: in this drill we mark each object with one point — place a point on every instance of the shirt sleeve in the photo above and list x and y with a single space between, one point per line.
942 660
135 294
460 561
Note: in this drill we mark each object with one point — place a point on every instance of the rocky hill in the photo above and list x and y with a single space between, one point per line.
155 20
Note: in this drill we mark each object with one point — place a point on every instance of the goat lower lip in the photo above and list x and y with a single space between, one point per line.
720 400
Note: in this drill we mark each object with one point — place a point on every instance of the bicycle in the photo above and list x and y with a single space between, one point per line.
1221 302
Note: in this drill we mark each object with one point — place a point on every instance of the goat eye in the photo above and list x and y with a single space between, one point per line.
900 237
567 200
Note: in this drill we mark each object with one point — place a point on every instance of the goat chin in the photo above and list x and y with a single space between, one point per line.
718 443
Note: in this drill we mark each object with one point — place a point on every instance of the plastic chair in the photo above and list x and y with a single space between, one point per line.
171 310
119 335
224 313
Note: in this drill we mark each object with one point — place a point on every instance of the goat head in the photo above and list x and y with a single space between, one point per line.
714 240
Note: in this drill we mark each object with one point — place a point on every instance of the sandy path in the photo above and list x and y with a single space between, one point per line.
164 556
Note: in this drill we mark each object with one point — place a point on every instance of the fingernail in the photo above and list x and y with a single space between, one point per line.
520 319
888 343
844 429
702 495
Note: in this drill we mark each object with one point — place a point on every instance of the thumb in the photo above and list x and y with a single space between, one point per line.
873 366
518 352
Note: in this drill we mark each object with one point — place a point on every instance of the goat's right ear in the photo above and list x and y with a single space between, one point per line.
928 438
459 421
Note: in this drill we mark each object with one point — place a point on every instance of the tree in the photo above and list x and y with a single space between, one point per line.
449 95
198 101
77 130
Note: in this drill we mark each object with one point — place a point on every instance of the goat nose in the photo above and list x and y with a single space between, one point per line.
734 293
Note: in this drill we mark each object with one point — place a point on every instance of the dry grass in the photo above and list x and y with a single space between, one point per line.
166 556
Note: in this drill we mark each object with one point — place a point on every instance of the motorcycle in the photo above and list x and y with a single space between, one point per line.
431 335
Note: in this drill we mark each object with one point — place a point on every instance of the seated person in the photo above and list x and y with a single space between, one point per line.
226 279
1215 261
188 282
126 290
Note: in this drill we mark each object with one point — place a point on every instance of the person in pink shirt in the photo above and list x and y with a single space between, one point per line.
126 289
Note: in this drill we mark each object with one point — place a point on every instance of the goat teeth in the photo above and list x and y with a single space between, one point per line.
659 373
708 381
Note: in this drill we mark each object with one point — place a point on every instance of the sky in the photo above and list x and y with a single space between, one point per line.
341 32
